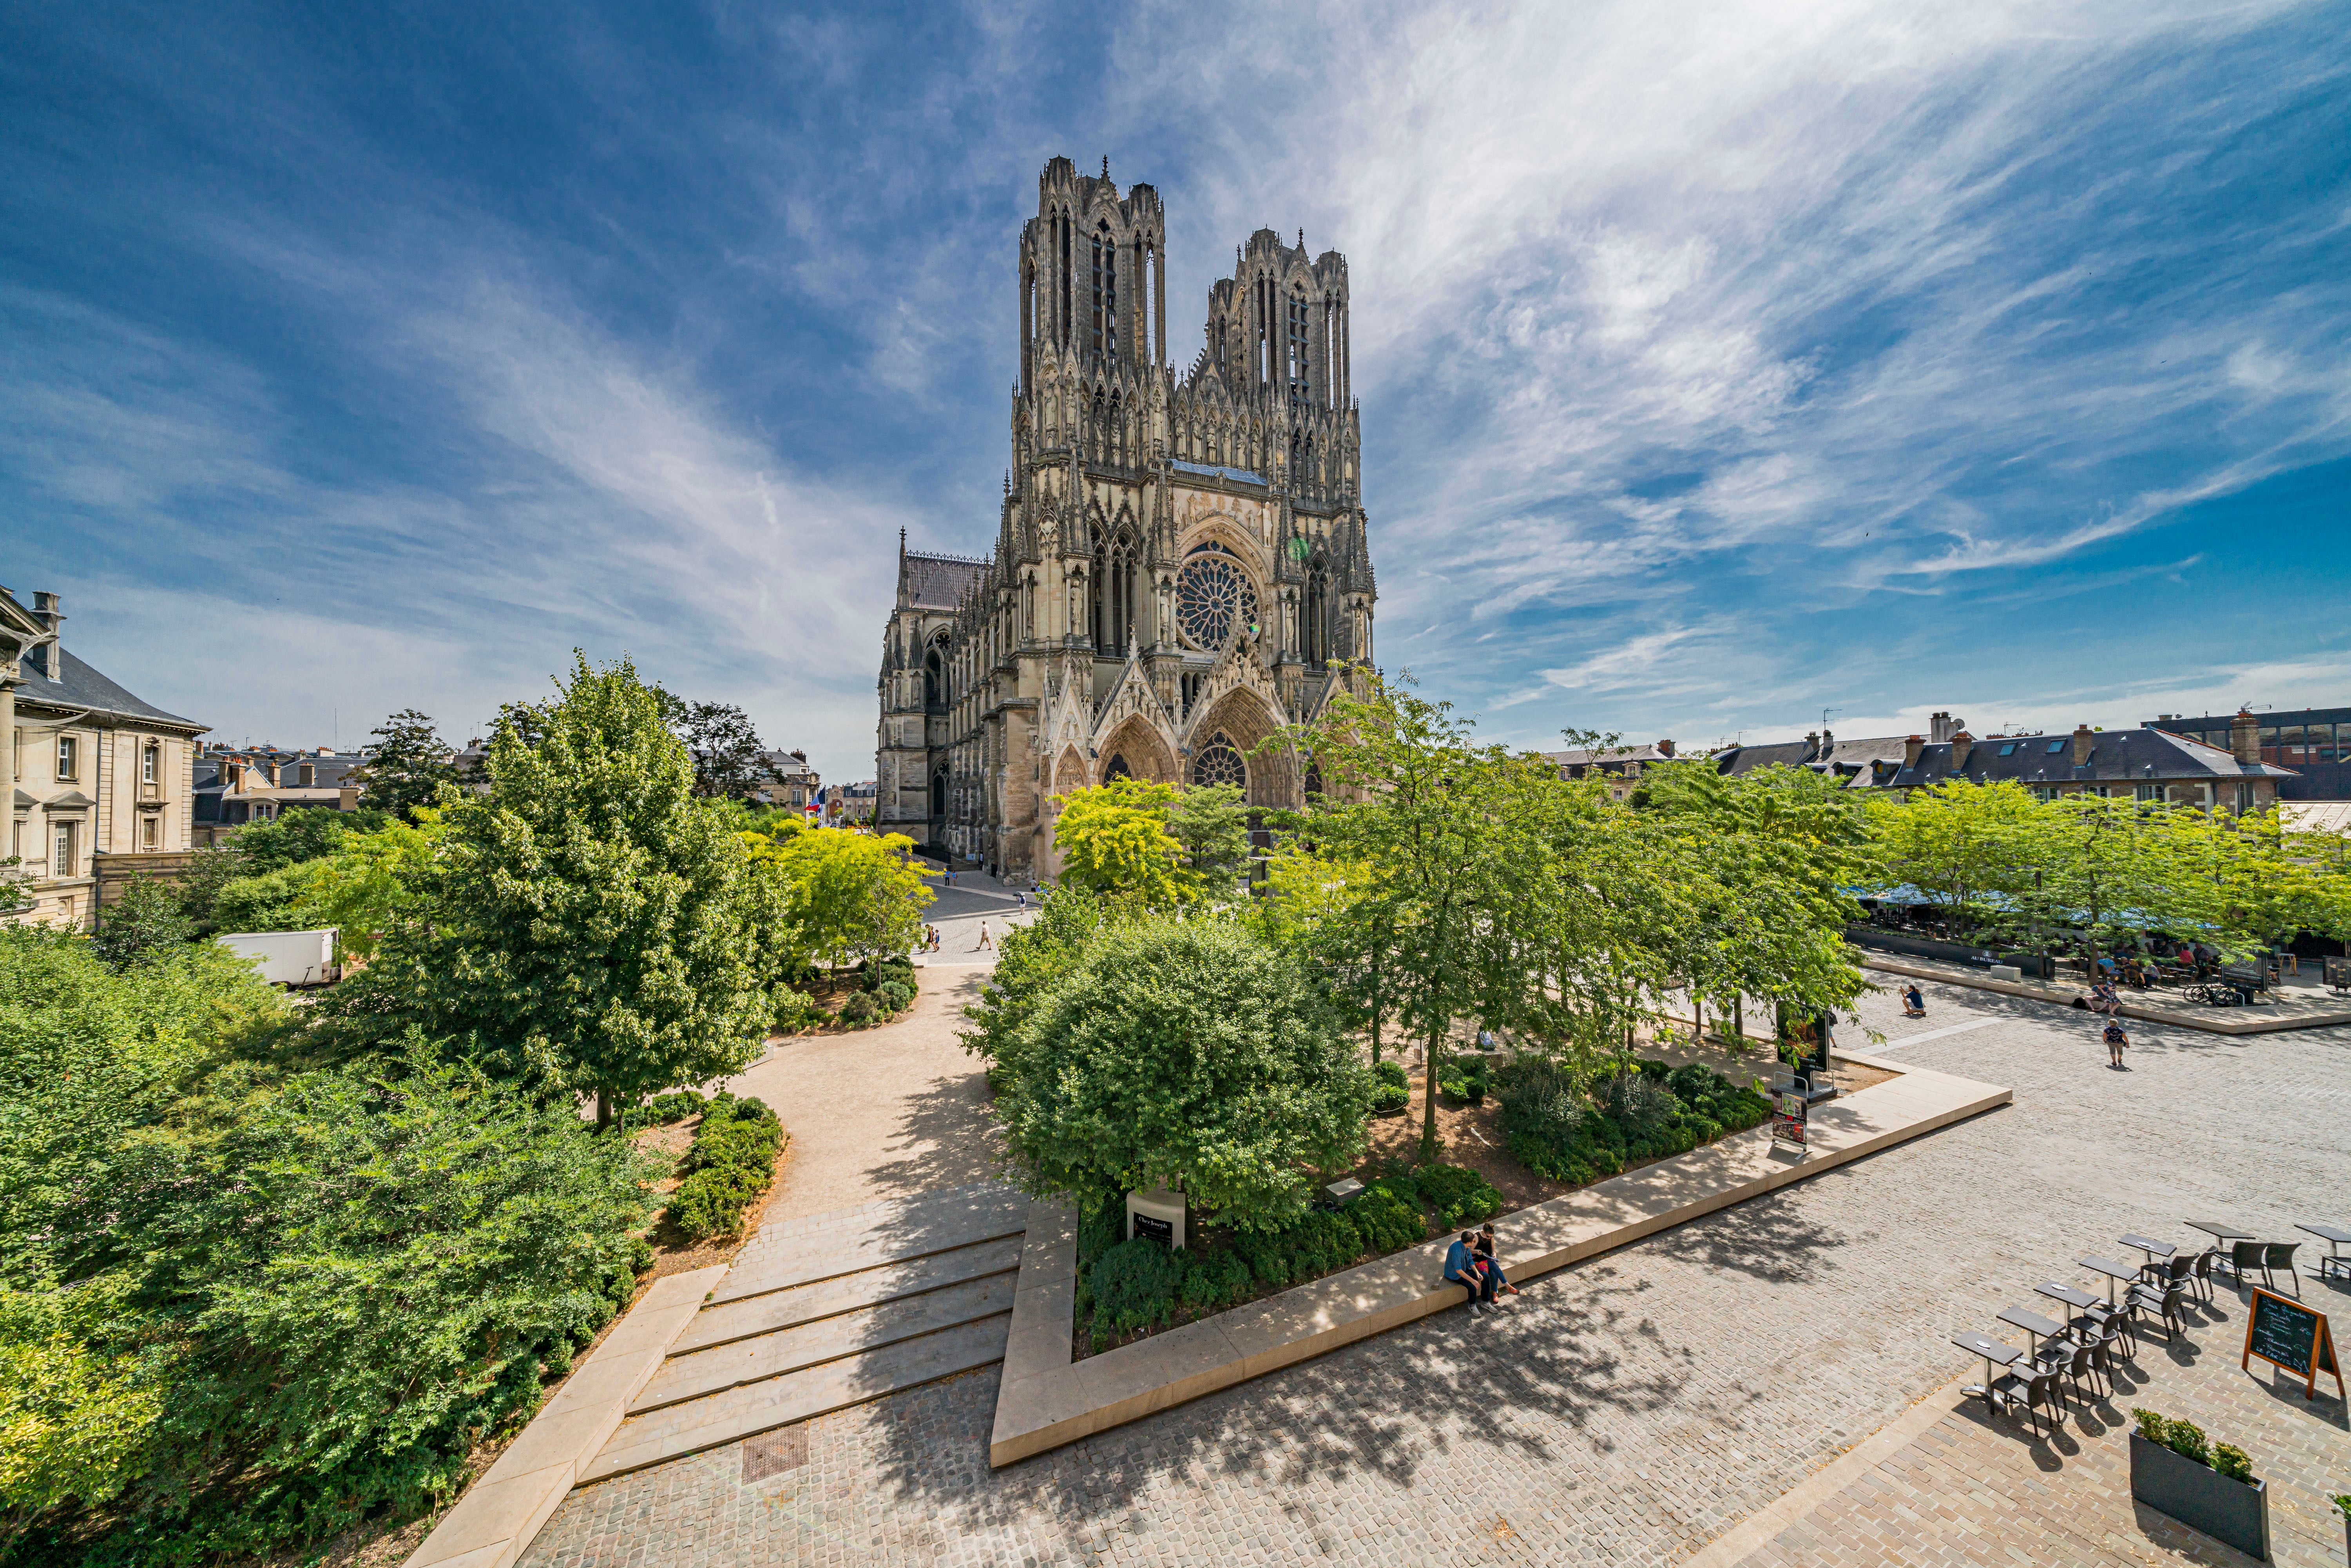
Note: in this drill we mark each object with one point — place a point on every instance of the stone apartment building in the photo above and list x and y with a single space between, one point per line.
102 782
1181 566
234 785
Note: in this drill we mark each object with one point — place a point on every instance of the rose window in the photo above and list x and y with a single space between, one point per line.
1213 596
1219 763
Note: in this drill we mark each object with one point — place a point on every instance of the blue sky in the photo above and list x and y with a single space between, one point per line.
1719 364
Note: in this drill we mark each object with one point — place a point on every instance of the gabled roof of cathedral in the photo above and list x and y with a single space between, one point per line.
938 581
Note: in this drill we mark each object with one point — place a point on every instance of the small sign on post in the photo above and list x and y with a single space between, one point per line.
1791 1118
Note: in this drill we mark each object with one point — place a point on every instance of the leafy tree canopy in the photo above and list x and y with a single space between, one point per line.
1211 822
842 896
408 765
587 922
308 833
1114 841
728 760
1190 1053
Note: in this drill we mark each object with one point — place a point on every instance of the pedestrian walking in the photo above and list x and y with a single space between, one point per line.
2116 1042
1461 1268
983 936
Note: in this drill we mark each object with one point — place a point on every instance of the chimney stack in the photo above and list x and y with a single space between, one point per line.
1664 748
1912 744
1961 744
307 774
2245 737
1938 729
2084 742
1812 744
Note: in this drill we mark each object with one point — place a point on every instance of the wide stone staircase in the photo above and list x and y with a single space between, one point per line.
829 1311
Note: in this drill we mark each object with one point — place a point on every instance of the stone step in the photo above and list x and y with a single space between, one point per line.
915 1232
708 1423
706 1373
880 1214
761 1314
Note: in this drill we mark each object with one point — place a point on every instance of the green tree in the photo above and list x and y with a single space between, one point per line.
1211 822
374 879
146 925
1113 841
588 921
408 765
1408 792
1032 961
1188 1053
308 833
1957 842
728 760
844 896
281 900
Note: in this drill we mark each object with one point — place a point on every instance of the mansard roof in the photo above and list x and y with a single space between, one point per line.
939 581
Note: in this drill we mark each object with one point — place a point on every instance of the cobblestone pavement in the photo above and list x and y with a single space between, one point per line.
1970 1487
1626 1411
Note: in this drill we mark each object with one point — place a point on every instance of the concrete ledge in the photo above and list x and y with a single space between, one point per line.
1046 1400
502 1511
2221 1020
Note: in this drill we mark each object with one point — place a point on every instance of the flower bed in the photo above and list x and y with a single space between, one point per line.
1558 1129
1130 1289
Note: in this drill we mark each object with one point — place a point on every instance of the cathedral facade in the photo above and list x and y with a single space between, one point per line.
1180 568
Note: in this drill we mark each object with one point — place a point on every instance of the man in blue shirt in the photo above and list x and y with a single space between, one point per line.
1461 1268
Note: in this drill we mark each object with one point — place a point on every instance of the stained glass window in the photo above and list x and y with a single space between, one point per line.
1219 763
1213 595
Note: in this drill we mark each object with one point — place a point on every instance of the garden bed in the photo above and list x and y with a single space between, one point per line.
1130 1291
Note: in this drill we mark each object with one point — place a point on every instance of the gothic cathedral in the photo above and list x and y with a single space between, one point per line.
1181 569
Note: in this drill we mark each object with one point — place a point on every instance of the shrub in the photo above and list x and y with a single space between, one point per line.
1645 1113
1387 1099
1391 1071
2232 1462
728 1165
675 1106
2187 1440
860 1009
1458 1195
1133 1286
1386 1221
895 995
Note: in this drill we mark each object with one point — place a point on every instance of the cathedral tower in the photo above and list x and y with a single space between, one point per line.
1181 564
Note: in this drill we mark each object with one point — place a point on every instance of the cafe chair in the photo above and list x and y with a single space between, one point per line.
2202 1272
2278 1257
2243 1257
2164 1304
2028 1396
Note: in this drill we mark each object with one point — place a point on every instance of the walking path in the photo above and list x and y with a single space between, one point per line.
1634 1408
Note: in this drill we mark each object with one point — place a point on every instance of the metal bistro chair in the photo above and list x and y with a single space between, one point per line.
2201 1273
2072 1362
2179 1273
2279 1256
2165 1304
2114 1328
2028 1395
2244 1257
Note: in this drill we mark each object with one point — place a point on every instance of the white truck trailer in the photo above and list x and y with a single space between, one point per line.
288 958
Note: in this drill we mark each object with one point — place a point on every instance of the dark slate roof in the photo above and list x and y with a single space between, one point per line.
940 581
2116 757
1615 756
82 686
1846 758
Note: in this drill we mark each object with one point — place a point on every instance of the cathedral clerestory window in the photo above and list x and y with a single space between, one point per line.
1105 302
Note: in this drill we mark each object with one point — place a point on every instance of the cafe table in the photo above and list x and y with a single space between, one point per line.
2334 1263
2112 1270
2159 1252
2224 1234
2033 1323
2074 1296
1994 1353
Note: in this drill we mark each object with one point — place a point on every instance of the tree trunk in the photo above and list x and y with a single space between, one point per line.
1697 1020
1738 1018
604 1111
1428 1096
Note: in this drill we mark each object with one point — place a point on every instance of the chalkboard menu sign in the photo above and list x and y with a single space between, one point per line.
2287 1333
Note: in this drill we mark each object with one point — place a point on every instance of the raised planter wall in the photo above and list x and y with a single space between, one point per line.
2202 1498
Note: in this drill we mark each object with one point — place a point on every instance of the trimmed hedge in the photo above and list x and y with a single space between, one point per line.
1456 1194
1557 1130
729 1165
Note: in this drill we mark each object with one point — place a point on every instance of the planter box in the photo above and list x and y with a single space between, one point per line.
2202 1498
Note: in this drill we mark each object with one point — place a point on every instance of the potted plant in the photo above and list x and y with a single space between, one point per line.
2342 1501
2207 1487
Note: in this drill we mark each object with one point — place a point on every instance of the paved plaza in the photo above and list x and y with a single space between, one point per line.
1634 1408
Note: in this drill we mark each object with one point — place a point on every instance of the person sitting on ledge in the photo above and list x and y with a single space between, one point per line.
1487 1262
1461 1268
